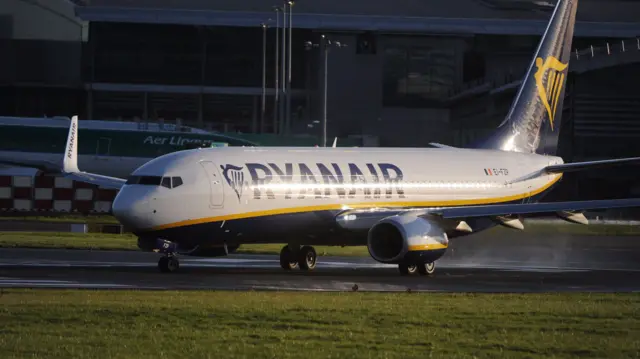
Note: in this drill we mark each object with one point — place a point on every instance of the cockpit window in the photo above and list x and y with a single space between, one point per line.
150 180
168 182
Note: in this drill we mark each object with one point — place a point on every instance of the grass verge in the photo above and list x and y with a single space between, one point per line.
535 227
100 241
63 219
149 324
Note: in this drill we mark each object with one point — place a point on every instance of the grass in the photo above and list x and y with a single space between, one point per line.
95 241
62 240
536 227
128 242
106 219
149 324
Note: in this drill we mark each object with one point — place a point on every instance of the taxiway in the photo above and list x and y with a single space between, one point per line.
596 268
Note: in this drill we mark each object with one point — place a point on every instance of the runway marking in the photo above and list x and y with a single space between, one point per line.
269 264
19 282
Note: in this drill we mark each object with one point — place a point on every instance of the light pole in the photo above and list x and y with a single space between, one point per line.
276 86
288 118
264 77
283 67
324 45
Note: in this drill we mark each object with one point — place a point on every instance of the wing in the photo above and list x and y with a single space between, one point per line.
69 167
44 166
532 208
70 163
363 219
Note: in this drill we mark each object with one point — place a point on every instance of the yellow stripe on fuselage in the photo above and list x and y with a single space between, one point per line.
329 207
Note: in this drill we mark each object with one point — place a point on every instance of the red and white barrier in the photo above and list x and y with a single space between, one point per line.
54 194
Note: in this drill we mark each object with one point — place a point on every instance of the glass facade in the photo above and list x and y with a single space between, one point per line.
417 76
188 55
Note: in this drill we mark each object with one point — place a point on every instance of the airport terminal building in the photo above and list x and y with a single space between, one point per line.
412 72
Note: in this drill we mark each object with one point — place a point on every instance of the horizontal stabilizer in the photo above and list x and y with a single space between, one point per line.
580 166
533 208
577 166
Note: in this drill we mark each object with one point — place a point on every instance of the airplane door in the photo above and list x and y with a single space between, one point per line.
216 195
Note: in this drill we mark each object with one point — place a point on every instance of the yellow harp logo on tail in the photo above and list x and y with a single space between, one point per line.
550 92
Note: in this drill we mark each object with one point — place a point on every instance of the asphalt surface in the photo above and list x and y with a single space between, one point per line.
549 264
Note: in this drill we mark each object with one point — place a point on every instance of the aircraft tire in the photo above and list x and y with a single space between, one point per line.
286 259
407 268
307 258
427 268
168 264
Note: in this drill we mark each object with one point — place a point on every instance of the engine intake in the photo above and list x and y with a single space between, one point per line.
398 238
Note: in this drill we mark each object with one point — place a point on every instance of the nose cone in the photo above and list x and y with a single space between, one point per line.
131 210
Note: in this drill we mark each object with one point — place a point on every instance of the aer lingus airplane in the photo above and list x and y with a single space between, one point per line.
404 204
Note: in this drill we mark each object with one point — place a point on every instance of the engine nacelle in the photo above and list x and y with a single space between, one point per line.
406 237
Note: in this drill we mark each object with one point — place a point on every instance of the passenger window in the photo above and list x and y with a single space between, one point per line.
166 182
177 181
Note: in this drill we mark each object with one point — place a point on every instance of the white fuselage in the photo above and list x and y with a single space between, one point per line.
226 185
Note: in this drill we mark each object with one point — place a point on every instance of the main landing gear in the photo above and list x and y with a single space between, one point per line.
422 268
292 257
168 264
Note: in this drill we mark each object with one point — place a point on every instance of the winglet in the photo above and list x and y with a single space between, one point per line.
335 142
70 159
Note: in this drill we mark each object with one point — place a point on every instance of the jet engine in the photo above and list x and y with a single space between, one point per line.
402 238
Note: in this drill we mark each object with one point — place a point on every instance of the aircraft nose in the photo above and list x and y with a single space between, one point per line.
130 210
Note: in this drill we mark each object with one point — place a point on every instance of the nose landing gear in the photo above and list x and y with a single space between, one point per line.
292 257
168 264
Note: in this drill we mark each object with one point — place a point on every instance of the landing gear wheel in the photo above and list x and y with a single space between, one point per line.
427 268
407 269
287 261
307 258
168 264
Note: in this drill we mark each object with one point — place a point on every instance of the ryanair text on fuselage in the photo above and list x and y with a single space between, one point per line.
298 181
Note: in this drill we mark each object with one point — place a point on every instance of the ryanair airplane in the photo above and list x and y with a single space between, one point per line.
404 204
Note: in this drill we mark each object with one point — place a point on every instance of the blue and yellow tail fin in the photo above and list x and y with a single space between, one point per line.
533 122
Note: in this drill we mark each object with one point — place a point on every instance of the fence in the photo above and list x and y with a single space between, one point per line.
53 194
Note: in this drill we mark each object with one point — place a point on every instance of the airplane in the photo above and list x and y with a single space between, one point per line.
403 204
111 148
